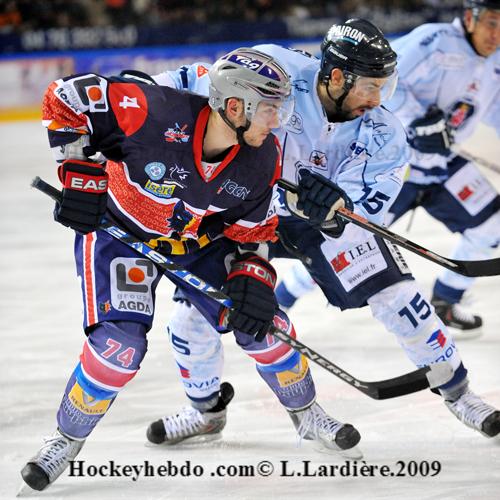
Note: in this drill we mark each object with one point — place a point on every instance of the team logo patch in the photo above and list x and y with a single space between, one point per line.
86 403
295 124
346 33
201 70
353 266
178 175
181 218
184 371
177 134
318 159
155 170
131 282
160 190
234 189
294 375
300 86
465 193
437 340
459 114
104 307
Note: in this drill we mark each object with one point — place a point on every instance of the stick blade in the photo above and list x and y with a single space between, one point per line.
475 268
418 380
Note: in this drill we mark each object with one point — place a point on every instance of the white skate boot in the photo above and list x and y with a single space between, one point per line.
475 413
191 424
50 461
313 423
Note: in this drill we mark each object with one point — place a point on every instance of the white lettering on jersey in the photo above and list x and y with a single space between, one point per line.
129 102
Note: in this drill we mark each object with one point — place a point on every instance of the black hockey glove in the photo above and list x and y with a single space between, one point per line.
250 285
430 133
318 199
84 195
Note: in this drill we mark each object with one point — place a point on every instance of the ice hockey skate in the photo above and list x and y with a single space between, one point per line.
192 425
463 324
314 424
475 413
50 461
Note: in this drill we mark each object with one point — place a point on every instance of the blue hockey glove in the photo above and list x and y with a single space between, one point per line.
430 133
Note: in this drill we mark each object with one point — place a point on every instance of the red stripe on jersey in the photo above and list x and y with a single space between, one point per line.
88 278
54 109
258 234
278 166
274 353
100 371
199 134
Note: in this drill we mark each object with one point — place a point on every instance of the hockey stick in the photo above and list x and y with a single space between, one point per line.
476 159
471 268
423 378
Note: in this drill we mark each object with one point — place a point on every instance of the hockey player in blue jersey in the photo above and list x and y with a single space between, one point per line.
343 149
194 177
450 81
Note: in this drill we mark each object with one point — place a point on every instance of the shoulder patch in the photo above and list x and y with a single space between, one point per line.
129 105
201 70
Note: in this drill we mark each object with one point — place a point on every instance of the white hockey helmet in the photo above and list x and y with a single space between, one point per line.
253 77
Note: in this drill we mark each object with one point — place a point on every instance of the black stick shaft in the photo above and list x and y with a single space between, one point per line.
384 389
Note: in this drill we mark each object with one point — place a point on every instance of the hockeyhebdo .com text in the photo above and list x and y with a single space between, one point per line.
264 468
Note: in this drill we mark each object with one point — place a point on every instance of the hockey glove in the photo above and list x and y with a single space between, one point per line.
250 285
430 134
318 199
84 195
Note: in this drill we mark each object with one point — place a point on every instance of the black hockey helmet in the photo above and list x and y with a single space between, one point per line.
482 4
359 47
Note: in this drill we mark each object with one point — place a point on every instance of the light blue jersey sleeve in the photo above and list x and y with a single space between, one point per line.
420 75
492 117
193 78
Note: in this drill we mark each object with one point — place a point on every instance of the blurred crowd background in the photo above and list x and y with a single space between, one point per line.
41 40
26 15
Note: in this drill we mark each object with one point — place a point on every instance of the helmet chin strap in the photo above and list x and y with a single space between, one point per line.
239 130
347 86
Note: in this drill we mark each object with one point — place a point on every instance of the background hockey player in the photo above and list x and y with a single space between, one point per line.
449 82
343 148
171 160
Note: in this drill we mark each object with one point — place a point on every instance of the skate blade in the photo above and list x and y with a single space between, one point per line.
192 441
353 453
465 335
25 491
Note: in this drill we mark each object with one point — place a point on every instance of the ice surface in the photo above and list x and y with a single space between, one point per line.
41 338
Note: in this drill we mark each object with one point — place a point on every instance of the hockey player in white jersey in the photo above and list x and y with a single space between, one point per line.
449 80
343 148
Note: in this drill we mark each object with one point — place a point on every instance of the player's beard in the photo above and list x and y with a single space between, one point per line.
339 115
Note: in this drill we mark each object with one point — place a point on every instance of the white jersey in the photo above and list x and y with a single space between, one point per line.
366 157
437 65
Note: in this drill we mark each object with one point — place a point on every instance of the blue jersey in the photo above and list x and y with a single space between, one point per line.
160 188
366 157
437 65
